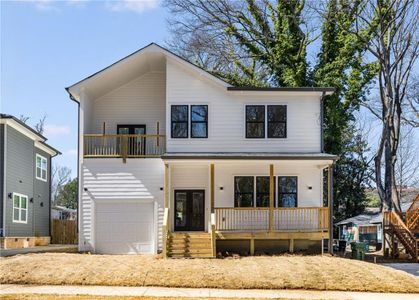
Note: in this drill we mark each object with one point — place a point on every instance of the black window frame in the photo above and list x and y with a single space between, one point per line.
199 122
256 122
179 122
257 193
276 122
280 193
246 193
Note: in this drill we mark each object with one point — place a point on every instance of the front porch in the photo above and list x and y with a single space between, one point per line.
246 224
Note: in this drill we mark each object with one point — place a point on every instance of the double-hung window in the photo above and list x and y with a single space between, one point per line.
199 121
41 167
277 121
287 196
179 119
255 121
263 191
244 191
20 208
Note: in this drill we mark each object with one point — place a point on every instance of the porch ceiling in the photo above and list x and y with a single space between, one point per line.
249 156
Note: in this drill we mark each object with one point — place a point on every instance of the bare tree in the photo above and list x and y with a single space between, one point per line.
61 175
390 29
407 165
39 127
23 118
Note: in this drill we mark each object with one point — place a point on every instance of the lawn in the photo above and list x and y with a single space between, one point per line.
279 272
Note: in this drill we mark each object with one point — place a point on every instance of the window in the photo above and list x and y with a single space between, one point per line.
41 167
277 121
199 121
255 121
243 191
20 208
287 196
262 191
179 121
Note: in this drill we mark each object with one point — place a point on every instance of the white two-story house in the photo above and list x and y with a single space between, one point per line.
174 159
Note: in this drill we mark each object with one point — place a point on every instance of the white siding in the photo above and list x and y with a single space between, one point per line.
110 180
141 101
227 116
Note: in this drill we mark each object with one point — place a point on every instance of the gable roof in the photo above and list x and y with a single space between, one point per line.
40 140
133 59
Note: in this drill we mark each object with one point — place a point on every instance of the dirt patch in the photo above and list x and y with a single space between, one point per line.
275 272
95 297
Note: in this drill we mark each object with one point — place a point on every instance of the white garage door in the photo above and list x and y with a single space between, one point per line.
124 228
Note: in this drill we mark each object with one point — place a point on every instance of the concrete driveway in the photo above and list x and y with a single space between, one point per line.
39 249
411 268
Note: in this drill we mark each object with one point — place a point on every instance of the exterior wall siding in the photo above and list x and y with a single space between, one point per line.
141 101
42 200
19 179
226 132
110 180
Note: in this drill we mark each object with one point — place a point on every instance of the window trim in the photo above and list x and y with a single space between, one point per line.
279 191
179 122
20 208
36 167
199 122
255 122
276 122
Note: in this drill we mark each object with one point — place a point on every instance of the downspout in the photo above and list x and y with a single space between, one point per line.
322 122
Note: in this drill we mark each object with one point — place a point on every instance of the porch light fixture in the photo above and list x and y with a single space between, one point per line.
85 189
310 187
42 204
161 188
10 195
31 200
221 188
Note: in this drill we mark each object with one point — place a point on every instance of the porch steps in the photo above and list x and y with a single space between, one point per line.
189 245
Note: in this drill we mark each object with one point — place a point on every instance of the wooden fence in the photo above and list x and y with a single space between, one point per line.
64 232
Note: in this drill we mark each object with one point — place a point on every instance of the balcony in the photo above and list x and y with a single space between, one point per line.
298 219
124 145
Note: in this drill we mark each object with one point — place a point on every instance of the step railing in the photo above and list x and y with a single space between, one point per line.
213 236
412 214
393 222
124 145
165 231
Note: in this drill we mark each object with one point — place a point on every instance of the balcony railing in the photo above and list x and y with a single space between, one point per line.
124 145
284 219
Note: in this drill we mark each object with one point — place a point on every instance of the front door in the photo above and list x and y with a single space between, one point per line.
136 145
189 210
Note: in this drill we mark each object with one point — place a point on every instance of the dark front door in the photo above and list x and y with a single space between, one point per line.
136 145
189 210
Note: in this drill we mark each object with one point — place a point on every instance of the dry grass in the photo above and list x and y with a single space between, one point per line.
95 297
280 272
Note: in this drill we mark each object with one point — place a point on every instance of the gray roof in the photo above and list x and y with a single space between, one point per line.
370 216
249 155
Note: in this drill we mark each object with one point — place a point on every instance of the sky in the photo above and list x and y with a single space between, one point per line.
49 45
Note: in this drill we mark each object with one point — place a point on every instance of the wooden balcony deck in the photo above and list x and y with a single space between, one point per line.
124 145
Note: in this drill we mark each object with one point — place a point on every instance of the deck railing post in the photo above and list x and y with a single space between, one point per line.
271 197
330 206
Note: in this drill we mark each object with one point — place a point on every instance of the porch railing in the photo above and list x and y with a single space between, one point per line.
124 145
285 219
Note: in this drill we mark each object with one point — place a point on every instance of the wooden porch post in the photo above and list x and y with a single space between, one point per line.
166 186
271 197
330 205
212 189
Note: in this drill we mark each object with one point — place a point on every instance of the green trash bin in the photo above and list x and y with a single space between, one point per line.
358 250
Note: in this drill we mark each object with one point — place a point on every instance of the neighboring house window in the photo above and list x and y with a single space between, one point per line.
179 121
262 191
277 121
199 121
20 208
287 196
41 167
243 191
255 121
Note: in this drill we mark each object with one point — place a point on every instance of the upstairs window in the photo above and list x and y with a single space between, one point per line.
255 121
41 167
277 121
287 196
179 117
199 121
20 208
243 191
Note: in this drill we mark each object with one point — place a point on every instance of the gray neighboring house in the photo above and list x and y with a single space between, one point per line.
25 185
